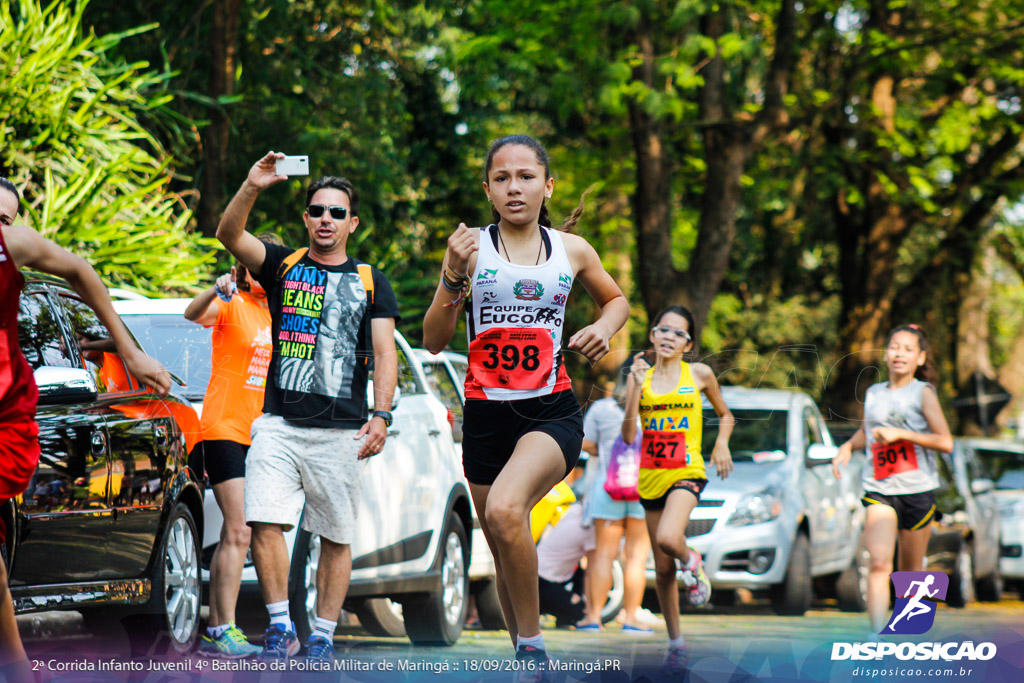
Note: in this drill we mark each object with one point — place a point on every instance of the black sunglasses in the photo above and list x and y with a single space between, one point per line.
338 213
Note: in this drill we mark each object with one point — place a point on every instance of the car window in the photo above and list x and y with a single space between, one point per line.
98 352
443 386
182 346
1006 468
812 428
759 435
39 333
407 381
460 368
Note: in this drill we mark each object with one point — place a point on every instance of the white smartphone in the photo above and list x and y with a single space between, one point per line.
292 166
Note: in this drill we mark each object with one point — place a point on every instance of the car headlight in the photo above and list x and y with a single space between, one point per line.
1012 510
755 508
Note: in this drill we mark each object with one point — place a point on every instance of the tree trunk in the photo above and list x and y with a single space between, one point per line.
223 51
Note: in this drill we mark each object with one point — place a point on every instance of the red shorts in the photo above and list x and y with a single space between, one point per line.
19 455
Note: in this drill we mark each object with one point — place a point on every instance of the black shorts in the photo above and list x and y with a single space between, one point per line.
224 460
694 486
491 430
913 510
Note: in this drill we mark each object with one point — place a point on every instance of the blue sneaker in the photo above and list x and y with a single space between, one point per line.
279 643
319 649
232 644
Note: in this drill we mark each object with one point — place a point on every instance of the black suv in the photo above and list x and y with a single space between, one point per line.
112 516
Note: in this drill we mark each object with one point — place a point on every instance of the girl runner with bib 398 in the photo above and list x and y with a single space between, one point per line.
672 472
903 427
522 426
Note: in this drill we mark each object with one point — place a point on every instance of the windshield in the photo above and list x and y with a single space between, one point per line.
1006 467
759 435
182 346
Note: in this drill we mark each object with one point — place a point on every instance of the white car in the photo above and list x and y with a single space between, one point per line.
998 466
412 545
780 521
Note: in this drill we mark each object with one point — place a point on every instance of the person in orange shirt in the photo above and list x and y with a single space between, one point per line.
236 308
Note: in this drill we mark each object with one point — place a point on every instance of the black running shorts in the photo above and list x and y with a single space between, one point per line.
224 460
913 510
491 430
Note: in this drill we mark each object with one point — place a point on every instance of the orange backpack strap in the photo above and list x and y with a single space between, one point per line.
366 275
290 262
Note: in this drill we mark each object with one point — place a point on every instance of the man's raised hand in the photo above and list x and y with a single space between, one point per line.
263 173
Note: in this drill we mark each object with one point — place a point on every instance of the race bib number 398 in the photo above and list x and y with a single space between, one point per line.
512 358
663 450
893 457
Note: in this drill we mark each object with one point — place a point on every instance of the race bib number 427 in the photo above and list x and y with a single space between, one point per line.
512 358
663 450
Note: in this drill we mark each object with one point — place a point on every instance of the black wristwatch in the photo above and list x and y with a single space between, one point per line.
384 415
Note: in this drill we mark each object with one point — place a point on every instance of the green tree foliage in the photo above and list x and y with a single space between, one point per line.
93 177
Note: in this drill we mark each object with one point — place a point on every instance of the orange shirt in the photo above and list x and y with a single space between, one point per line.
240 358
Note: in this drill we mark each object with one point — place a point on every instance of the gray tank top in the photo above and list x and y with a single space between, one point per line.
900 408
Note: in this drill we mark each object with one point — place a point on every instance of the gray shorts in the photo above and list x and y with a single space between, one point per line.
288 467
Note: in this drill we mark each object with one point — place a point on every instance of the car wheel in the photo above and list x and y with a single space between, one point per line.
852 584
380 617
961 583
793 596
441 615
172 622
613 604
488 607
990 588
302 583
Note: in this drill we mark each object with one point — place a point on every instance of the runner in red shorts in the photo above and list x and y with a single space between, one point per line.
19 446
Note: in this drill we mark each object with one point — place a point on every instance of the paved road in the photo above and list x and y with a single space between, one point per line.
745 643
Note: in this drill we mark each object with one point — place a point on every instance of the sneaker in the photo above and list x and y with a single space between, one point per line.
319 649
675 661
697 583
279 643
537 665
232 644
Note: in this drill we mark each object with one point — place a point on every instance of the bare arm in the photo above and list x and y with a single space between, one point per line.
857 441
440 321
590 447
231 229
633 385
721 458
30 249
593 340
204 309
385 377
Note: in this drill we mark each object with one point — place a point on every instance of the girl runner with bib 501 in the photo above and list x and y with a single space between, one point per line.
667 397
903 427
522 425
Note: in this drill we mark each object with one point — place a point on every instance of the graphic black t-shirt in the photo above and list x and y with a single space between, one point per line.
323 348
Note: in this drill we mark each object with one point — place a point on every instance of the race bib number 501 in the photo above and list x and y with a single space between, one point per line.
512 358
893 457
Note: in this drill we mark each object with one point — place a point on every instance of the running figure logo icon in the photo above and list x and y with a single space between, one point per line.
916 593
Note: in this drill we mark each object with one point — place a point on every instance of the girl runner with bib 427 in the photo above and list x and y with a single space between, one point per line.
672 472
522 428
903 427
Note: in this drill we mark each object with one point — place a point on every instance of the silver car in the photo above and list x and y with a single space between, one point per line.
781 521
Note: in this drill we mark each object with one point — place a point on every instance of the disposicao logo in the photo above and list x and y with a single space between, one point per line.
914 612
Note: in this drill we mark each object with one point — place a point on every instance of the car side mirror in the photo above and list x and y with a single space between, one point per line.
65 385
979 486
370 398
819 452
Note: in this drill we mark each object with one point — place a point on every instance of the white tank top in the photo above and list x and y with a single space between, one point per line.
898 468
515 319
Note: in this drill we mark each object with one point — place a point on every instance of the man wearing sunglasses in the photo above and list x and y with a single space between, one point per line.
333 320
